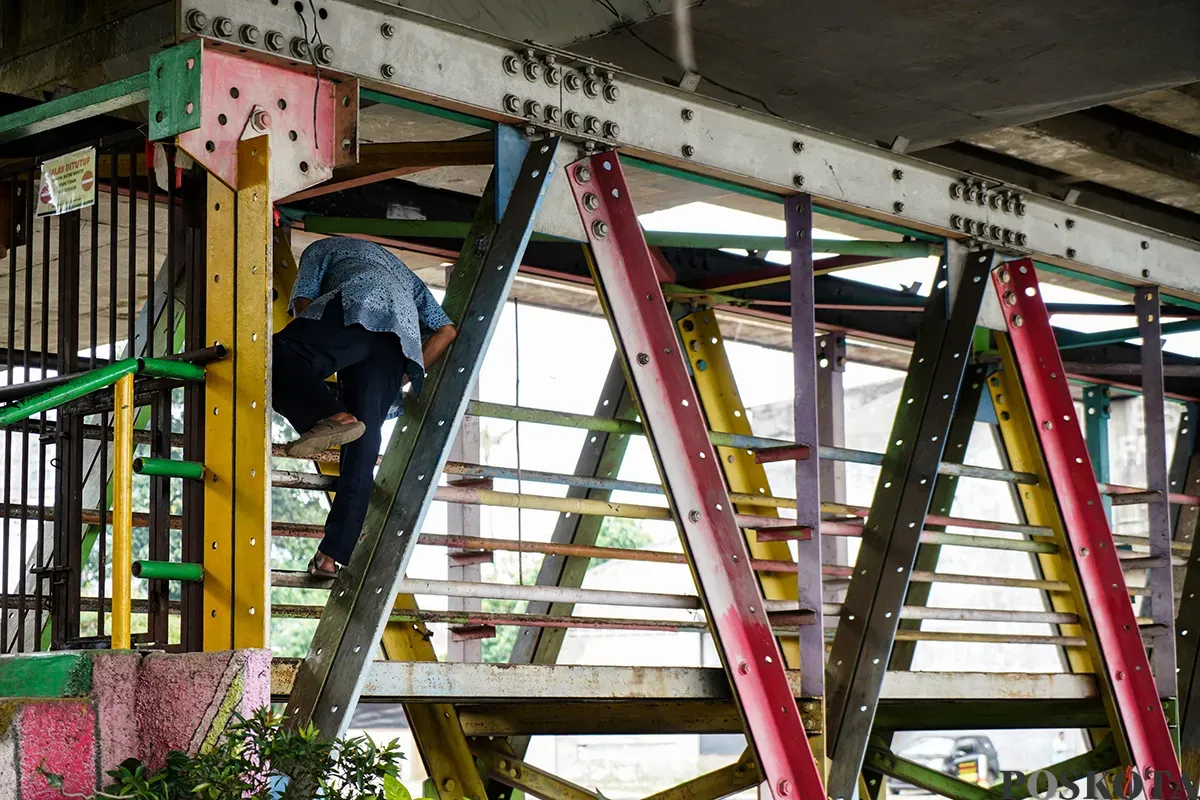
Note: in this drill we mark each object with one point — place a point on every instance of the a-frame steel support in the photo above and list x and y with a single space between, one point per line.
871 611
330 678
633 300
1139 710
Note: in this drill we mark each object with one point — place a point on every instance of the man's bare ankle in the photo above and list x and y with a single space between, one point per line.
343 418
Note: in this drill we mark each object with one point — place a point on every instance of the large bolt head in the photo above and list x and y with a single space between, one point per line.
611 130
387 30
325 54
299 47
591 88
512 65
591 202
600 230
533 71
512 103
274 41
611 93
591 124
223 27
572 81
196 20
582 173
387 71
572 119
248 34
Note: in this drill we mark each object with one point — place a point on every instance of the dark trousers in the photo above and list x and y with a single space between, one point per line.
370 368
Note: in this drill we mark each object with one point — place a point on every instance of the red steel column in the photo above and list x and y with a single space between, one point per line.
1120 642
629 290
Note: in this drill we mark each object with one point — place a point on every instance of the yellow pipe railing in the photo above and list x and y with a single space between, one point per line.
122 547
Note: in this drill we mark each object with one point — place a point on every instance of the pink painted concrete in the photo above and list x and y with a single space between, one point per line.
114 676
179 698
140 705
61 735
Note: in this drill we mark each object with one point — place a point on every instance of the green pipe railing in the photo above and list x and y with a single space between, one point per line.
169 468
168 571
98 379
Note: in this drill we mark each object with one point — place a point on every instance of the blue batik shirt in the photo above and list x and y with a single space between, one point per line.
378 291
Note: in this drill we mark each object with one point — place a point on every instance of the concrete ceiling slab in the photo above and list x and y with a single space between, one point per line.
930 70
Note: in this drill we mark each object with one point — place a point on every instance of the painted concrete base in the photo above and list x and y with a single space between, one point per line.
80 714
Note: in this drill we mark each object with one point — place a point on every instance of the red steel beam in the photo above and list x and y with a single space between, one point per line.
1138 708
624 273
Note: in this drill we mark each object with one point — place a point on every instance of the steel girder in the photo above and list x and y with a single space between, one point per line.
1138 708
870 613
1159 578
512 82
625 278
798 214
362 598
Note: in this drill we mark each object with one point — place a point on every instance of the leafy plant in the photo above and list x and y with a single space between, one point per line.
259 759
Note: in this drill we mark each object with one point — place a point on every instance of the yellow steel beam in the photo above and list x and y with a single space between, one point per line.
736 777
1041 508
522 776
252 399
722 404
218 427
435 727
122 548
723 408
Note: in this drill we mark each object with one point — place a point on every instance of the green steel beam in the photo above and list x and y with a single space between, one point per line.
372 96
73 108
1109 283
168 571
434 229
1097 404
882 760
1099 759
1125 334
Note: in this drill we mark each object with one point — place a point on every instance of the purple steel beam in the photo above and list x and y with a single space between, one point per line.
625 279
798 212
1160 579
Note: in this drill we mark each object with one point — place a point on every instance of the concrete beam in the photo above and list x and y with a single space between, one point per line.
1177 108
1100 147
403 681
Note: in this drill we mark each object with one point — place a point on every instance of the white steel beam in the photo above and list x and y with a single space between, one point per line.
410 55
450 682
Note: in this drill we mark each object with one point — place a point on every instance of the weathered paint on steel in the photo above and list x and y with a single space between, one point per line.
219 413
1139 710
252 397
624 273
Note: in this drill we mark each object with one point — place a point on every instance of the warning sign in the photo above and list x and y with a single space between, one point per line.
68 183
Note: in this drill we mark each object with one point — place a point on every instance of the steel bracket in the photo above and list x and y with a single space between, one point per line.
211 99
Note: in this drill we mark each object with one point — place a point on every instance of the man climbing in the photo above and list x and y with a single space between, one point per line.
359 312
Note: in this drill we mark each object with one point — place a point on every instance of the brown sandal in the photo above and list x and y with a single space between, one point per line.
318 572
324 435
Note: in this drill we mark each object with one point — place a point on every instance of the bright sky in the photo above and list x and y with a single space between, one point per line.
709 218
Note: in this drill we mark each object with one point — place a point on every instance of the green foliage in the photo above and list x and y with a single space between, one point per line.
252 761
